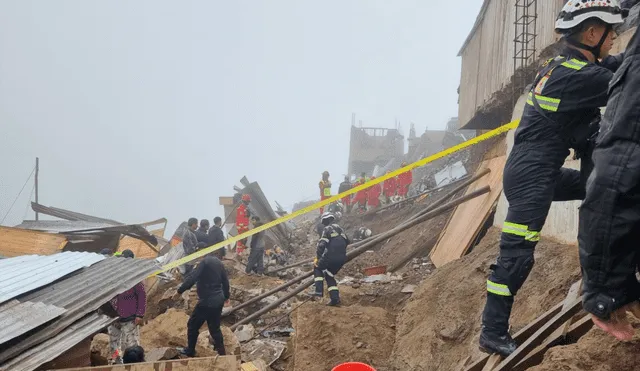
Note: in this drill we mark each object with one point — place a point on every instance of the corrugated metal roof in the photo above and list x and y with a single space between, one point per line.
57 345
61 226
80 294
69 215
22 274
17 318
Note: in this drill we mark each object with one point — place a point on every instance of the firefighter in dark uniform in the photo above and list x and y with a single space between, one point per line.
562 112
331 255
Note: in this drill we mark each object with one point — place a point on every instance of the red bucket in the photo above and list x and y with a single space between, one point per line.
353 366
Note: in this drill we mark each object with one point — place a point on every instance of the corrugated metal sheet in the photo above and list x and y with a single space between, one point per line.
22 274
17 318
81 294
61 226
69 215
57 345
17 242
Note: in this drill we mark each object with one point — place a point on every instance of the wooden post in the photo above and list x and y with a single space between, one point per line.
36 182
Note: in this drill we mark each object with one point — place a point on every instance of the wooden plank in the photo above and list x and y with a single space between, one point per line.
468 218
539 336
463 363
523 334
217 363
576 331
572 295
17 242
493 361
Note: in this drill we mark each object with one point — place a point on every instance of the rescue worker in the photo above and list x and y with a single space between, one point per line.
404 181
389 188
216 235
345 186
130 307
331 254
373 194
202 234
325 188
564 99
190 242
213 294
255 264
362 233
361 196
610 213
242 222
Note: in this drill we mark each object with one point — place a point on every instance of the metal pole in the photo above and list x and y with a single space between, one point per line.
36 180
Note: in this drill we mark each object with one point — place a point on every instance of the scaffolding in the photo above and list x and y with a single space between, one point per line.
524 43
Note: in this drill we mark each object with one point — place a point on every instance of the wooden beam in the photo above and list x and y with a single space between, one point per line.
463 363
575 331
493 361
216 363
521 335
539 336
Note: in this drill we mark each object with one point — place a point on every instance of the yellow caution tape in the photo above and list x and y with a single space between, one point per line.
317 205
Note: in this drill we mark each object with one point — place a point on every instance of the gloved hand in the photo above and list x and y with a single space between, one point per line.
315 262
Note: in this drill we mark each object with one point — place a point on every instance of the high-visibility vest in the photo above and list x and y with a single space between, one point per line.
325 188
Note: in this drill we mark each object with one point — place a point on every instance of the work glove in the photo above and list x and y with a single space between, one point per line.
315 262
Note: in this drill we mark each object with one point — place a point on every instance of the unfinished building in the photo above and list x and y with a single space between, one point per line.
500 57
370 147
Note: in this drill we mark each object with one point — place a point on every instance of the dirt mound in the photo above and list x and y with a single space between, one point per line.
326 336
594 351
440 324
170 330
255 282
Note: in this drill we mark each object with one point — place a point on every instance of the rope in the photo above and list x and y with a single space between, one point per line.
16 199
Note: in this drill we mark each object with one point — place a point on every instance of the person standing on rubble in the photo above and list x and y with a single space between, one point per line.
373 194
331 254
361 196
389 187
325 188
130 306
255 263
242 222
202 234
404 181
563 102
216 235
345 186
190 243
610 213
213 294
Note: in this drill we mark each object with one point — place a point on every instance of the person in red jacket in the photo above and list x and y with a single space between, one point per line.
389 187
325 188
373 194
404 181
242 222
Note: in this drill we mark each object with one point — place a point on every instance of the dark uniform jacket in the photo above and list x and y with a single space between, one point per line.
333 244
212 282
609 233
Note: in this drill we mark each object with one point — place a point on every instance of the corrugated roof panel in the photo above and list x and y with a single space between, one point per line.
81 294
57 345
22 274
17 318
61 226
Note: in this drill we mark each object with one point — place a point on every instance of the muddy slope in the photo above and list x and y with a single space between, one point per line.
440 324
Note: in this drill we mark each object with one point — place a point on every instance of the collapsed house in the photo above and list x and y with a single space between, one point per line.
80 232
48 305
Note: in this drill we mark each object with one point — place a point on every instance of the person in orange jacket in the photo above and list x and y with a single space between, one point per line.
373 194
404 181
325 188
389 187
242 222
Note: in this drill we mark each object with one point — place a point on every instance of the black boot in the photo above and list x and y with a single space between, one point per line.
495 337
335 298
491 343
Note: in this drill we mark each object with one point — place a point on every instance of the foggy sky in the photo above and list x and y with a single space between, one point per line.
147 109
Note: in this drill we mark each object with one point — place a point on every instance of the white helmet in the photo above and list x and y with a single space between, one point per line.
327 217
575 12
338 215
